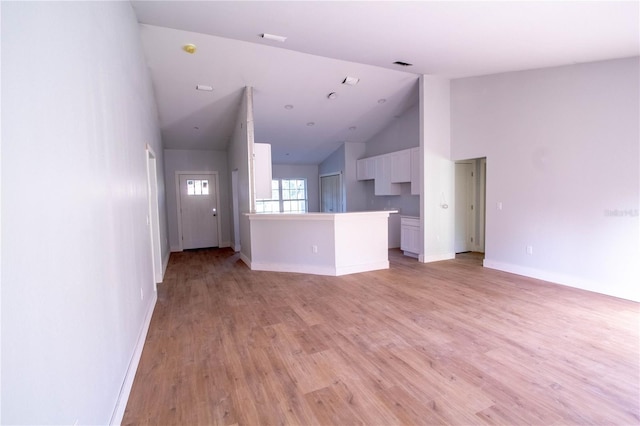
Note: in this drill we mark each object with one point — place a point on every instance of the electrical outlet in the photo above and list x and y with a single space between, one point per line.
499 205
529 249
314 248
141 294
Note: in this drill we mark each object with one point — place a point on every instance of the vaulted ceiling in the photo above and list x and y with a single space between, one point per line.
328 41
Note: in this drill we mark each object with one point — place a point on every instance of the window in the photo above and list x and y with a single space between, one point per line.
198 187
287 196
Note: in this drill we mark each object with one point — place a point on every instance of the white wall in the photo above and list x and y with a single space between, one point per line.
343 160
334 163
354 190
437 202
306 171
239 153
77 112
402 133
562 153
176 160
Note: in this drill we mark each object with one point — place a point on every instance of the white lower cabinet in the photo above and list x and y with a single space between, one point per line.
410 235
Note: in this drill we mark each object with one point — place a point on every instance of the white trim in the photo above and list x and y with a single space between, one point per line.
319 270
179 207
293 267
436 257
165 263
175 249
153 216
354 269
224 244
235 211
556 278
316 216
125 389
245 259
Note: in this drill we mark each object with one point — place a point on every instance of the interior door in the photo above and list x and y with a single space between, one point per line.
330 194
199 211
464 213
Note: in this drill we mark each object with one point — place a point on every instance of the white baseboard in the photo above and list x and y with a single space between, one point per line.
293 267
236 247
436 257
165 263
224 244
556 278
245 259
125 390
320 270
354 269
175 249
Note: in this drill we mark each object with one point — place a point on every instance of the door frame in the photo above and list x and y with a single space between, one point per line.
341 197
179 206
470 207
153 218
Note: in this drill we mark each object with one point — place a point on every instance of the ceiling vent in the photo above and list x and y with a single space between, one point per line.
403 64
273 37
351 81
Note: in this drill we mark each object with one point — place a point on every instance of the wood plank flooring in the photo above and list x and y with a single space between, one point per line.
441 343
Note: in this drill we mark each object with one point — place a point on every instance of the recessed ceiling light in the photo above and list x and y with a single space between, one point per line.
352 128
332 95
274 37
403 64
288 107
204 88
189 48
311 123
351 81
381 101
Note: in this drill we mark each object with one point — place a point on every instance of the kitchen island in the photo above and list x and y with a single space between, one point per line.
320 243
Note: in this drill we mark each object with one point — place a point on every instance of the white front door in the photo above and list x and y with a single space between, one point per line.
199 215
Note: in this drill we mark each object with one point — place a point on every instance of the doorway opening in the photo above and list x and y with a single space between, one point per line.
331 193
470 205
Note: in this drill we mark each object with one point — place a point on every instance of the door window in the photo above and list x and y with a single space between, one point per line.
197 187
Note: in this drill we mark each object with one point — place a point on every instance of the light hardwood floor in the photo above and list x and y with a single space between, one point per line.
441 343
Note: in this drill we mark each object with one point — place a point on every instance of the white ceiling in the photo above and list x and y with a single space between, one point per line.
448 38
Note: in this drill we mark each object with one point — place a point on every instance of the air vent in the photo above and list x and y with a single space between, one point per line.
351 81
403 64
273 37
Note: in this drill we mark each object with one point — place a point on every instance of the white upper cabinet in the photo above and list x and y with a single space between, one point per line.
383 184
391 170
366 169
415 171
401 166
